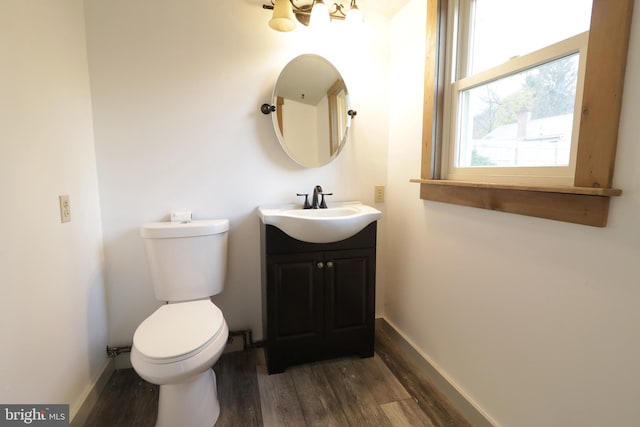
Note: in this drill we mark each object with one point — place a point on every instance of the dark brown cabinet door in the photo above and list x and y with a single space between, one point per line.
349 287
296 294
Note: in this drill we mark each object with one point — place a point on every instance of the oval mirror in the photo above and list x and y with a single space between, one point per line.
312 110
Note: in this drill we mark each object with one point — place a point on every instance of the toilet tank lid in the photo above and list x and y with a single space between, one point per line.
166 230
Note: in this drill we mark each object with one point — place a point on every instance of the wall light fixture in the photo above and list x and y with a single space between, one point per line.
315 13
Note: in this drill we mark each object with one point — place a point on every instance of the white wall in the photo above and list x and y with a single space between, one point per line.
300 123
52 297
534 320
176 89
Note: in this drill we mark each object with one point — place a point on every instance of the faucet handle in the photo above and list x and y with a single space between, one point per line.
307 205
323 205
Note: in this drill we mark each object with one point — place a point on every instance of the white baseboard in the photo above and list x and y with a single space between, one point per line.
80 417
467 407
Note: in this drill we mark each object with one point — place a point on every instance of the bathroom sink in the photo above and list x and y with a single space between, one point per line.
338 222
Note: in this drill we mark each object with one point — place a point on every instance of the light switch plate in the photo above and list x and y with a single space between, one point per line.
65 208
378 194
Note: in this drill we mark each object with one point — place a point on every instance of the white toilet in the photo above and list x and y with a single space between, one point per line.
177 345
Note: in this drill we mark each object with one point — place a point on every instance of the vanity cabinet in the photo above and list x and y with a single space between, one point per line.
318 298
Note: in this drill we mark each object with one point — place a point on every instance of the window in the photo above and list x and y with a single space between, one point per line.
524 119
513 90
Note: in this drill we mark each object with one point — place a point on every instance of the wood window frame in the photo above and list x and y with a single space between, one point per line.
587 201
335 130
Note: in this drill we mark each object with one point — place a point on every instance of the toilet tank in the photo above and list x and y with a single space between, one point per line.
187 260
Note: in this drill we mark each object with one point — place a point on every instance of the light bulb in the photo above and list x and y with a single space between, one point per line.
319 15
354 16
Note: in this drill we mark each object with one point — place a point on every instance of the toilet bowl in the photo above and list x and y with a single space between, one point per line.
176 348
178 344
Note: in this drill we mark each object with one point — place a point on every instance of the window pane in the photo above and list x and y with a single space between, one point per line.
524 120
503 29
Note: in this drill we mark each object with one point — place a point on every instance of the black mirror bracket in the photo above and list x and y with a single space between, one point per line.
268 109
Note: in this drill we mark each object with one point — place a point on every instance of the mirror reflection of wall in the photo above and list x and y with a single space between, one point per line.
311 119
302 123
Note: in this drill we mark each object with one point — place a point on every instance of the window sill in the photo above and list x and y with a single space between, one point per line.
578 205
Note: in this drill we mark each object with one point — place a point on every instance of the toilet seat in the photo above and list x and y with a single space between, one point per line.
178 331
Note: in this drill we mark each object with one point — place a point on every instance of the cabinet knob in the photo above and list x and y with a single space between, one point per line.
329 264
320 265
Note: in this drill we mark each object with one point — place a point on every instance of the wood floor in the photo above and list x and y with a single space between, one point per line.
384 390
